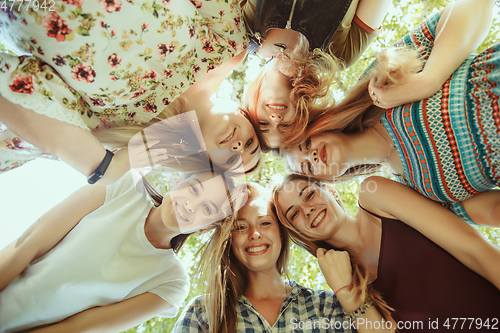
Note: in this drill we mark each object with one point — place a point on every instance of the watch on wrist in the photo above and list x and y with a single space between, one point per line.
101 169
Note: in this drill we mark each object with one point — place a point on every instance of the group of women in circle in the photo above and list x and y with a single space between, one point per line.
137 78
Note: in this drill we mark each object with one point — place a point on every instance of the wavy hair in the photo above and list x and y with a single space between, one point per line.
360 284
224 276
311 74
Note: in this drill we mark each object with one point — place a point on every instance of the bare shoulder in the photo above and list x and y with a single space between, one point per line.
375 195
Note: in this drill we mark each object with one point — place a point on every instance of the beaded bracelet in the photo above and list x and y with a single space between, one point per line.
359 311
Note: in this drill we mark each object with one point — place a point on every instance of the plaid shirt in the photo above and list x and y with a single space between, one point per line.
303 310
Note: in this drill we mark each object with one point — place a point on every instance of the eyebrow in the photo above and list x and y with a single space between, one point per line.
215 206
201 184
300 194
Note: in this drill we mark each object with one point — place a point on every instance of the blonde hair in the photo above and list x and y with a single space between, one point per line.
360 284
311 74
224 276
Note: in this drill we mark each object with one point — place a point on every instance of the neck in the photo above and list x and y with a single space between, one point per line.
369 147
360 236
158 234
265 285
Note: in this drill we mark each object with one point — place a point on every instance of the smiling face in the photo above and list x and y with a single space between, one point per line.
273 106
321 156
196 202
256 240
310 209
230 139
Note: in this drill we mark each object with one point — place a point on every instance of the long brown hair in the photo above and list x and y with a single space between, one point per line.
311 74
224 276
359 271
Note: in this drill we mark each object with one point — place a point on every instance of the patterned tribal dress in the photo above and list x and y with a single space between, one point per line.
449 144
93 63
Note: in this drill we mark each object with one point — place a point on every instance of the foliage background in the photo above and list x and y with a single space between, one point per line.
403 16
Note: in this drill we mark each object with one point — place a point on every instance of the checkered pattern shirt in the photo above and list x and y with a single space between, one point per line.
303 310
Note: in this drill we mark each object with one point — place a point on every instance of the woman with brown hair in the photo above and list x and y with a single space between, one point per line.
424 261
243 266
445 144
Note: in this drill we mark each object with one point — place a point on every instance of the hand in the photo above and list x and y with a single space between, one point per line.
142 157
415 88
336 267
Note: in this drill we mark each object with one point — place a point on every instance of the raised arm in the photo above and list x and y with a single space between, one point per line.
47 231
74 145
435 222
462 27
337 270
112 318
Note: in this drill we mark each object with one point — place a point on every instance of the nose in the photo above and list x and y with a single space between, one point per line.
237 146
308 211
189 207
314 156
275 119
254 234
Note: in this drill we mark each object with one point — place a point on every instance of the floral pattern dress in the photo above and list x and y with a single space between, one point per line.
101 63
449 143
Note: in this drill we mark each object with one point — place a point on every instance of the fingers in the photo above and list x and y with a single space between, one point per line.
320 252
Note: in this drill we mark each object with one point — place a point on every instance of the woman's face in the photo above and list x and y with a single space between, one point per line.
321 156
312 210
230 139
273 106
196 202
256 240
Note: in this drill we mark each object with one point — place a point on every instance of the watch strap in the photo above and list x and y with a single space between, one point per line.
101 169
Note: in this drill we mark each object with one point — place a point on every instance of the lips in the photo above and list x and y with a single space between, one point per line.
229 137
318 219
276 107
323 155
257 249
179 211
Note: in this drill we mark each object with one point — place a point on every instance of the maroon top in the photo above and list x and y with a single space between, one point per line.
424 283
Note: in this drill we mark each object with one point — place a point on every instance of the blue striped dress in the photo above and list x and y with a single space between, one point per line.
449 143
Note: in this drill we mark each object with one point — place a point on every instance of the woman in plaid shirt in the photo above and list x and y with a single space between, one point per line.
243 265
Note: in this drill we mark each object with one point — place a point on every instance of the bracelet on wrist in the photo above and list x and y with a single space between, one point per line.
101 169
359 311
341 289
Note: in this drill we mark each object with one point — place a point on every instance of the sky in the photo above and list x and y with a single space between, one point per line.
30 190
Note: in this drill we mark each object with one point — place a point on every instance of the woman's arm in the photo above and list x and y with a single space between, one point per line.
435 222
74 145
462 27
336 267
47 231
112 318
372 12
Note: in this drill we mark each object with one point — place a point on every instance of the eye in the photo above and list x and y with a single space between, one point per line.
309 170
285 125
310 195
232 159
194 190
207 210
240 228
249 143
294 215
265 223
307 144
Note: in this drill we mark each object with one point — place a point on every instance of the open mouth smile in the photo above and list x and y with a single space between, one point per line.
229 137
257 249
317 221
179 211
277 107
323 155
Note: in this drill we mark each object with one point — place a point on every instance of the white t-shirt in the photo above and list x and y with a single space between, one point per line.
104 259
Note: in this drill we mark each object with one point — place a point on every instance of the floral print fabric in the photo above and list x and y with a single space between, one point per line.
100 63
